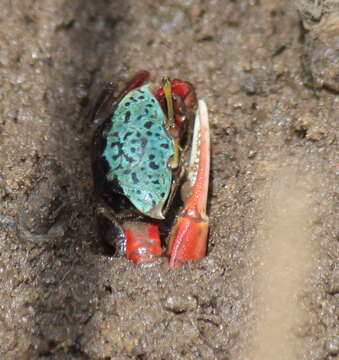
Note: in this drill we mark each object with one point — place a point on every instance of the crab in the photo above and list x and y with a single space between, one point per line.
146 146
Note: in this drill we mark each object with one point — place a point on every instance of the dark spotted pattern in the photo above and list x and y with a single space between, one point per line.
138 149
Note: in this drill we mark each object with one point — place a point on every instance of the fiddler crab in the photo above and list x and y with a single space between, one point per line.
140 158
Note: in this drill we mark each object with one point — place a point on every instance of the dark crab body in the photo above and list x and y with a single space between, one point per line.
138 161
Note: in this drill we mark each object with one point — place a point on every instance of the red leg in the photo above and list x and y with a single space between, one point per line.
106 100
188 239
186 91
143 243
137 80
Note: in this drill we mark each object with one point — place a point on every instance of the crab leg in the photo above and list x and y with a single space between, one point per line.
188 238
143 245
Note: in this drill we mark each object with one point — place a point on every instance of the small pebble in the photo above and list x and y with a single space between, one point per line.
252 154
332 346
179 304
333 285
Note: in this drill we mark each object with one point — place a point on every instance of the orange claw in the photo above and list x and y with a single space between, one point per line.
188 239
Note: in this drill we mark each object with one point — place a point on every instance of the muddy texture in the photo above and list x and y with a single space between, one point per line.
320 21
269 73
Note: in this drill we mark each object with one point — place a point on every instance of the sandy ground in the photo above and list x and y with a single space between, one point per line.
269 285
285 251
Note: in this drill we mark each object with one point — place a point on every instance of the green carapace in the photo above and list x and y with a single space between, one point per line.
138 150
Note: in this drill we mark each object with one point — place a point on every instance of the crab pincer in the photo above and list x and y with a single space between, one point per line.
188 238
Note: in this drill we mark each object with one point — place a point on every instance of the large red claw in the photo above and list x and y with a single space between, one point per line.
188 238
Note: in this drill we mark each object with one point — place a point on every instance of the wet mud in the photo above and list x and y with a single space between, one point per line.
268 71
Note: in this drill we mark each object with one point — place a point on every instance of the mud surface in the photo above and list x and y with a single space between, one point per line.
270 77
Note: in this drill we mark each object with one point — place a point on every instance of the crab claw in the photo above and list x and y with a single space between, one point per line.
188 238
